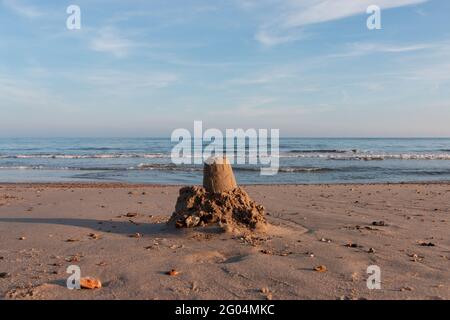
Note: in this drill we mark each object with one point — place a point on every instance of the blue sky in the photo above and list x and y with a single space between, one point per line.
144 68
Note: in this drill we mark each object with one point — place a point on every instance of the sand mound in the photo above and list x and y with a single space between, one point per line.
232 209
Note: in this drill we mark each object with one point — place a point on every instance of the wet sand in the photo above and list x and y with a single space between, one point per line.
118 234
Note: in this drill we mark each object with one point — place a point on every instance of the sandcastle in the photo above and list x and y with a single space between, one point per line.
219 202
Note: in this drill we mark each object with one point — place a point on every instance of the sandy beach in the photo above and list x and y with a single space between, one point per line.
118 234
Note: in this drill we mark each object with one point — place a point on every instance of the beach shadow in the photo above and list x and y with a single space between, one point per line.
104 226
59 282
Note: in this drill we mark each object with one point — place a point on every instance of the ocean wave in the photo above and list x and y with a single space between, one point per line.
285 169
165 167
20 167
41 167
371 157
426 172
299 169
172 167
84 156
320 151
250 169
327 154
93 148
142 166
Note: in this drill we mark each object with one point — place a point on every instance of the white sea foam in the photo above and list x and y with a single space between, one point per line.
307 155
370 156
84 156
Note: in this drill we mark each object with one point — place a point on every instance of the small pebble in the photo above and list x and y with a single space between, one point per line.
172 273
320 268
136 235
94 236
90 283
131 214
427 244
406 289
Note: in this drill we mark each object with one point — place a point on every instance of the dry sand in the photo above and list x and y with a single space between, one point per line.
45 228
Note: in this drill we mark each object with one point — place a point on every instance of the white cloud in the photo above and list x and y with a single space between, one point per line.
438 72
129 81
270 39
110 83
288 17
23 9
28 94
270 76
310 12
109 40
266 109
365 48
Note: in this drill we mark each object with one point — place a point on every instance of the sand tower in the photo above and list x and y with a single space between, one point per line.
220 201
218 175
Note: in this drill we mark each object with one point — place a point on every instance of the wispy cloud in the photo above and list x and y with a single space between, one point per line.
27 94
437 73
270 39
264 107
108 79
270 76
366 48
114 85
23 9
310 12
288 17
110 40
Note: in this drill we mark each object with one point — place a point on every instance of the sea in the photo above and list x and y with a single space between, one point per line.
148 161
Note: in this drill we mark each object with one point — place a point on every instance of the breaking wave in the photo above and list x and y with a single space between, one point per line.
321 151
285 169
370 156
85 156
165 167
311 154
